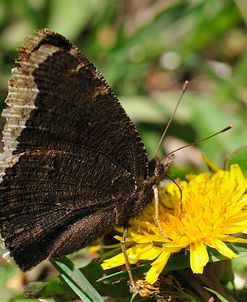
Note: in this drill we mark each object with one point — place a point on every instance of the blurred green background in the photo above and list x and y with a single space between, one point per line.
146 49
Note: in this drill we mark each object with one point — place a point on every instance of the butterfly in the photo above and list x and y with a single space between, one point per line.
73 165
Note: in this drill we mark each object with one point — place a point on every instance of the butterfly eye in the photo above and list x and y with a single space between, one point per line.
162 165
167 161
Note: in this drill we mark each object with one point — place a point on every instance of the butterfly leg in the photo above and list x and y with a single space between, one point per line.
127 264
157 216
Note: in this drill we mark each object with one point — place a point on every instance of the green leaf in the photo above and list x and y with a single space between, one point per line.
76 280
49 289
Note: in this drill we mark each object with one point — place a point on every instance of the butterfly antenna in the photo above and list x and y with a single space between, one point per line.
185 86
201 140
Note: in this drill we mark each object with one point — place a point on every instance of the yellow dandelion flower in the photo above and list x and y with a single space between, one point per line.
212 209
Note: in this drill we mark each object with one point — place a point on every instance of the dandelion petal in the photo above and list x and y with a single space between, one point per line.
113 262
220 246
157 267
198 256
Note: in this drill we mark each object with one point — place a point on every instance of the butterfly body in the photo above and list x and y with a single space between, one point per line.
73 165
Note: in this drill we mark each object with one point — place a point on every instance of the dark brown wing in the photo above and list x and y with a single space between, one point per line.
72 158
46 192
74 105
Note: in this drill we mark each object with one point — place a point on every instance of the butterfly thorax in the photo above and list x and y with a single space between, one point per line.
158 168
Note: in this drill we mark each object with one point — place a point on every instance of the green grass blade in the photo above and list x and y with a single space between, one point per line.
76 280
221 298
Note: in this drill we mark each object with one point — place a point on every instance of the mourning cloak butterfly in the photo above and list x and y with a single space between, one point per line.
73 165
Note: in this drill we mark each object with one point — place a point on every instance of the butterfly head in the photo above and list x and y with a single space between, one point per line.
162 165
